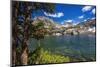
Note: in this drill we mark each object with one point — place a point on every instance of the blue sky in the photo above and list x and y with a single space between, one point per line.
69 13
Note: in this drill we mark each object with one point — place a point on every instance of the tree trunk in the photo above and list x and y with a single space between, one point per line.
14 41
13 53
14 33
24 55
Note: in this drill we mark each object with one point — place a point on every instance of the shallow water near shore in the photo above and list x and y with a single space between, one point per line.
76 46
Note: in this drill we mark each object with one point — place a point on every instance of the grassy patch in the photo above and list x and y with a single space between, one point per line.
41 56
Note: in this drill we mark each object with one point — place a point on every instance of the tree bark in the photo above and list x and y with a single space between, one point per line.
14 36
13 53
14 42
24 55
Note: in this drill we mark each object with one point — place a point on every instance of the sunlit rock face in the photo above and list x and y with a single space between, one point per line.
54 28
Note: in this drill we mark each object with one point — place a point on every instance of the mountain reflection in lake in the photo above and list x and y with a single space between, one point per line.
76 46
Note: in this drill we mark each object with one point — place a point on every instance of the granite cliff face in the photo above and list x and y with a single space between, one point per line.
45 20
67 28
88 23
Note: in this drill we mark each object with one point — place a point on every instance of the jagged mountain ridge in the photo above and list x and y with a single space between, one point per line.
49 22
46 21
88 23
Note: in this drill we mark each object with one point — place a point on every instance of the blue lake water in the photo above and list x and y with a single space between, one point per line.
75 46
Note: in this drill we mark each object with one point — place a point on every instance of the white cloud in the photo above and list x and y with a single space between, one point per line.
93 11
86 8
62 23
80 17
84 20
58 15
65 21
88 18
68 20
93 18
75 23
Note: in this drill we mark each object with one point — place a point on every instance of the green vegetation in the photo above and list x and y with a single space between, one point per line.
38 31
23 30
41 56
24 10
